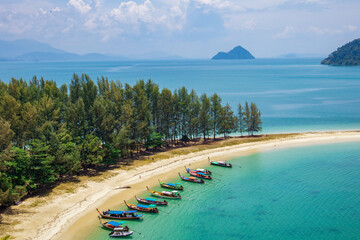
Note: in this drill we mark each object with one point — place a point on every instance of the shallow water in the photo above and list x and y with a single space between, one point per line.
297 193
294 95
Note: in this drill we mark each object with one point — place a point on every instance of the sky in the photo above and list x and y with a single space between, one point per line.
188 28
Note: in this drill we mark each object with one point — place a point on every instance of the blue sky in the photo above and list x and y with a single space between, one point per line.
189 28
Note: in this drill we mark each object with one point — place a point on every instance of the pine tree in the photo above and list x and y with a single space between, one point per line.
215 113
205 120
194 114
241 122
247 118
255 119
227 121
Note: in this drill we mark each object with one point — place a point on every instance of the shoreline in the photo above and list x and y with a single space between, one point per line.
71 215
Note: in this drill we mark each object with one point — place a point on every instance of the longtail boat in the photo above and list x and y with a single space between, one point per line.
176 186
221 164
198 174
112 224
120 214
201 170
151 201
120 232
191 179
143 208
165 194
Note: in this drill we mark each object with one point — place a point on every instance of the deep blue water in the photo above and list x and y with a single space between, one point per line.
294 95
289 194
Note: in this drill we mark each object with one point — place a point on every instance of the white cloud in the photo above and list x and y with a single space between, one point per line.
249 24
324 31
351 28
42 11
288 32
239 22
79 5
56 9
131 12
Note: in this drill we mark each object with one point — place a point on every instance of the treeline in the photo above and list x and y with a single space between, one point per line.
48 132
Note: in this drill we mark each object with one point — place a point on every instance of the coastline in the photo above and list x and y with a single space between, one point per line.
71 215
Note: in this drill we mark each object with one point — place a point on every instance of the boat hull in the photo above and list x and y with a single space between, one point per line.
120 234
148 210
228 165
199 175
160 195
197 180
151 202
136 217
164 185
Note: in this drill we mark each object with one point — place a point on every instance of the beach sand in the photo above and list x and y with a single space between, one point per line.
72 215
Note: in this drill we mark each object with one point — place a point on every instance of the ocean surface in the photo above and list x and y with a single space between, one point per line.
294 95
297 193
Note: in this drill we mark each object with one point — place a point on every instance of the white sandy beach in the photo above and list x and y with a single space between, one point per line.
71 215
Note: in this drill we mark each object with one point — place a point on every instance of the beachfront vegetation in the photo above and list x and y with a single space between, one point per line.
49 132
347 55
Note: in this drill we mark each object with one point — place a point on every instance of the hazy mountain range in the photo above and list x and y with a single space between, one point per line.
31 50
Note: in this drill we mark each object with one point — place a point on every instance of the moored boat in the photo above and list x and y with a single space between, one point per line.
120 214
151 201
120 232
198 174
191 179
112 224
143 208
221 163
201 170
165 194
176 186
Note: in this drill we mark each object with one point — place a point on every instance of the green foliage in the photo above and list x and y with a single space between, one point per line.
215 113
241 122
347 55
255 119
204 118
156 140
227 121
48 132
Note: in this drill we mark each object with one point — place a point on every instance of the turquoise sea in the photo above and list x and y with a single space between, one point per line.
297 193
294 95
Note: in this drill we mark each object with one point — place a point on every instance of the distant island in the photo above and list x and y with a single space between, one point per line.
347 55
32 50
236 53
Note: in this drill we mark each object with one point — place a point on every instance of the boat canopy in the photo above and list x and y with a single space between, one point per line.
200 173
200 169
115 223
142 206
115 212
151 199
174 191
133 211
171 184
152 205
222 162
165 192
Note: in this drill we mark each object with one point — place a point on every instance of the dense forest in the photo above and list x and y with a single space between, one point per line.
49 132
347 55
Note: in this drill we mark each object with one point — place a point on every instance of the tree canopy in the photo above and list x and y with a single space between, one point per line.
49 132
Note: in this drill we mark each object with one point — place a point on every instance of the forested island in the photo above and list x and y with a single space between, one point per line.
347 55
236 53
48 133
